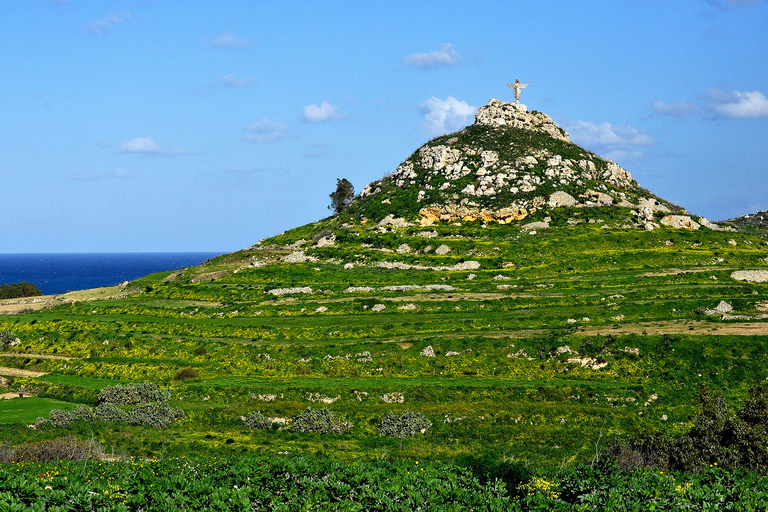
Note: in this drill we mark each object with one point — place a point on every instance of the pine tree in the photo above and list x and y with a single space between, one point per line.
343 195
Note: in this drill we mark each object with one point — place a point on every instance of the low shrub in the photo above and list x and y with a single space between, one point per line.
109 412
406 424
67 448
717 437
61 418
6 338
133 393
185 373
158 415
257 420
319 421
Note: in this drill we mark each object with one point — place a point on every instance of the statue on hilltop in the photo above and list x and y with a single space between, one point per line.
517 86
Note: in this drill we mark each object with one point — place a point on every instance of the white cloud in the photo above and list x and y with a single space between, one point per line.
448 115
265 131
679 109
445 56
231 81
738 104
99 25
612 141
229 40
146 146
320 113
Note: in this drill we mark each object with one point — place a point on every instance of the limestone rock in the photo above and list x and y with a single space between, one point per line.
680 222
391 220
561 198
442 250
404 249
428 351
498 113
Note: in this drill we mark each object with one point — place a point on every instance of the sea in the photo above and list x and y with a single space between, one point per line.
60 273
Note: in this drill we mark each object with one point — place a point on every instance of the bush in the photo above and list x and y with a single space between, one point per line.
6 338
67 448
717 437
319 421
257 420
406 424
185 373
158 415
133 393
22 289
108 412
61 418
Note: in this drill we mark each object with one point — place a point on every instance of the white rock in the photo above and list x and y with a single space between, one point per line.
428 351
443 250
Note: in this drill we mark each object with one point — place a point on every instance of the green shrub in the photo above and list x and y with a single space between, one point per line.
108 412
158 415
319 421
133 393
717 436
257 420
61 418
406 424
185 373
6 338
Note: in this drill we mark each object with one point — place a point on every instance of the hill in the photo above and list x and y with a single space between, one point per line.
757 221
521 293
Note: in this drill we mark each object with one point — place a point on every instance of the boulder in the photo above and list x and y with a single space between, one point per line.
560 198
680 222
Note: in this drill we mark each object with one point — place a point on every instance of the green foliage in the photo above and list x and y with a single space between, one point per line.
257 420
109 412
319 421
133 393
342 196
157 415
405 424
717 438
61 418
6 338
15 290
186 373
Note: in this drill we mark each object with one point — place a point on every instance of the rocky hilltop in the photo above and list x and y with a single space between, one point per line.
757 220
512 165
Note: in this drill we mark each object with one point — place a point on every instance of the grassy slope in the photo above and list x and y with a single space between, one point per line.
498 381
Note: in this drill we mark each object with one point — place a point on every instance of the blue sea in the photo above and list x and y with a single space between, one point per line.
59 273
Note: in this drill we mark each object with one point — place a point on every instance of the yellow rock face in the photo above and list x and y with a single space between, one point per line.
449 213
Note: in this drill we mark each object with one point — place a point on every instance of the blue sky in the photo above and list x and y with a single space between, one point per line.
158 125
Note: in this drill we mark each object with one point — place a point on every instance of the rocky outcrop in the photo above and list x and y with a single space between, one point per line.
449 213
680 222
498 113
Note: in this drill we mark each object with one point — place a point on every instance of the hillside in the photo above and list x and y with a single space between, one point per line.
523 294
752 221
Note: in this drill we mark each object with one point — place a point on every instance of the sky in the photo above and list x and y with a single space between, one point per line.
159 125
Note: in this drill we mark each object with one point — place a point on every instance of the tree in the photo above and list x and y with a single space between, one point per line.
343 195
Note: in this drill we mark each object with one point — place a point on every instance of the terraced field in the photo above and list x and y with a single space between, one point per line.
520 342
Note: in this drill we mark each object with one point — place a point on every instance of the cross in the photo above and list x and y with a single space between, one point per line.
517 86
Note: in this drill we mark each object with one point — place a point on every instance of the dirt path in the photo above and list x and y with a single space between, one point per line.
682 327
15 372
36 356
13 306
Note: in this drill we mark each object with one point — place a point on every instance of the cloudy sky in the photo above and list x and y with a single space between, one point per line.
159 125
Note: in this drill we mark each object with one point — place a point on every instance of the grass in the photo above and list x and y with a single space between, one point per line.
27 410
